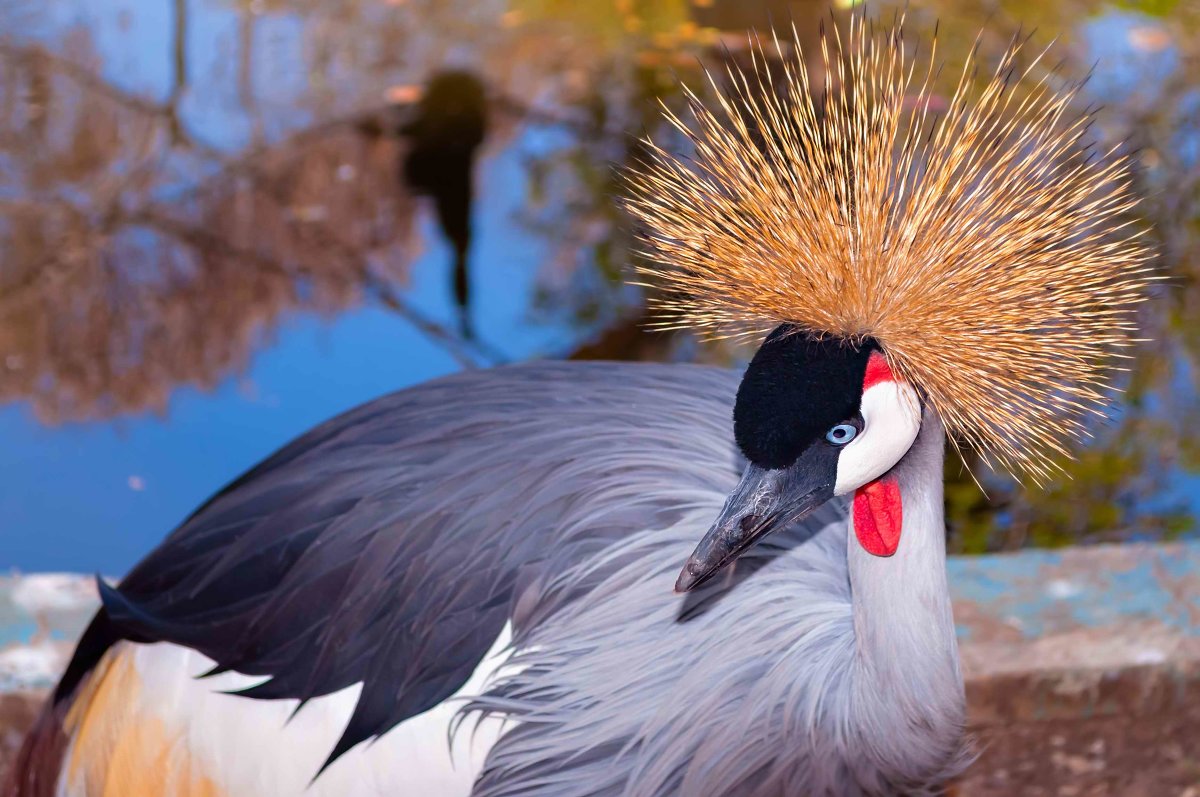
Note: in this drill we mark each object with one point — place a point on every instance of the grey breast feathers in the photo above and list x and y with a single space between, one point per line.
729 692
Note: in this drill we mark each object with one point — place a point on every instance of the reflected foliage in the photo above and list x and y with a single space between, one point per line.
156 237
131 265
1138 477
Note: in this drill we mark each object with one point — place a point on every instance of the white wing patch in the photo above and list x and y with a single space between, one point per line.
250 748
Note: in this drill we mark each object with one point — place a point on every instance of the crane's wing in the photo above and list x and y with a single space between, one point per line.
389 546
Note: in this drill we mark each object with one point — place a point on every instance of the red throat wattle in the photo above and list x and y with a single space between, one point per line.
878 511
878 516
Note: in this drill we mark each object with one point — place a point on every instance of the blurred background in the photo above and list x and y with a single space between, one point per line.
222 221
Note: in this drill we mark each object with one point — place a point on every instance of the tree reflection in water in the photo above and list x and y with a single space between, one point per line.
140 252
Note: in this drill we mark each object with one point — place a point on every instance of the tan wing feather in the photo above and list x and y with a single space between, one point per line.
985 248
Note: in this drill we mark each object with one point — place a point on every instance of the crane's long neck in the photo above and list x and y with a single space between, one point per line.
908 692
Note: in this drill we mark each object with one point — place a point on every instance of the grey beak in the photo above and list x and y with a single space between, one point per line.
764 500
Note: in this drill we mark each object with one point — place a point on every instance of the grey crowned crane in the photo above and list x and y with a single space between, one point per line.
472 587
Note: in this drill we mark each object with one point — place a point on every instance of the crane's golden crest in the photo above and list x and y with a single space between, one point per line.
984 246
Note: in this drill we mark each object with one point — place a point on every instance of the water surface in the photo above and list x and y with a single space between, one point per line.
224 221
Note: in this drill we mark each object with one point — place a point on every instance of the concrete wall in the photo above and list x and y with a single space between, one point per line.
1082 665
1082 669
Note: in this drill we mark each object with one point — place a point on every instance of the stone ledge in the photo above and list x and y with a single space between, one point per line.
1041 695
41 616
1078 633
1082 666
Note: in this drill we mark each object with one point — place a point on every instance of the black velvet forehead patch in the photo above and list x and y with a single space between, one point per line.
795 389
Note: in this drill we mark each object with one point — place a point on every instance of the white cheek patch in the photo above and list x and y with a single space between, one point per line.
891 419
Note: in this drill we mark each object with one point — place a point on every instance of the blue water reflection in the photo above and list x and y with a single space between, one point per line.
97 496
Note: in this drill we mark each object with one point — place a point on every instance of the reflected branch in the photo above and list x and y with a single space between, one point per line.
179 74
110 300
437 333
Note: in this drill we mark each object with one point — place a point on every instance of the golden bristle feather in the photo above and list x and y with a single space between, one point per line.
991 256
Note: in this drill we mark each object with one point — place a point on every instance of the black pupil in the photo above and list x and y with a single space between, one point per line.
839 432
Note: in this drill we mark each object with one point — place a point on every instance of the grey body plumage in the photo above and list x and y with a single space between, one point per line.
393 543
788 676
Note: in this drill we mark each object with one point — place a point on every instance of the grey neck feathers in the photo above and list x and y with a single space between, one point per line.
908 703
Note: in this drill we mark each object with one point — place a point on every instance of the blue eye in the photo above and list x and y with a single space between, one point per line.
841 434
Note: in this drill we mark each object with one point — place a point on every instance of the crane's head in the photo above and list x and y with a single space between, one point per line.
975 243
815 417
